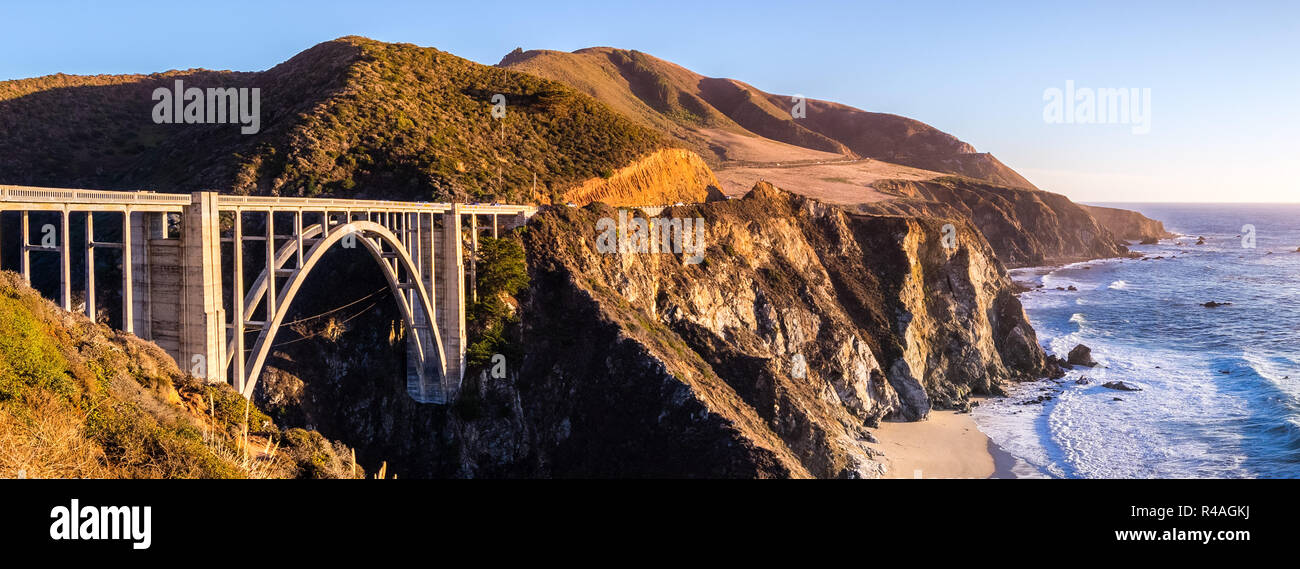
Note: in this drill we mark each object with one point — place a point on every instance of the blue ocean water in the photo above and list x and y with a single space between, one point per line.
1220 386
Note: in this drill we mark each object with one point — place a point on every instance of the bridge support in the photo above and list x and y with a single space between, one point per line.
202 314
451 293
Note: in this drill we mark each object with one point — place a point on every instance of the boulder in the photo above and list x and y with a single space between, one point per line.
1150 241
1081 355
1120 385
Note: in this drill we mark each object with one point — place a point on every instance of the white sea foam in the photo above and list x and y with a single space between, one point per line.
1189 420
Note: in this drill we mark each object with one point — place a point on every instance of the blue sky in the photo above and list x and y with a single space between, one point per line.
1224 77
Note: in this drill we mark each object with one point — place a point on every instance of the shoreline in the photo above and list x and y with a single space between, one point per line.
950 444
946 445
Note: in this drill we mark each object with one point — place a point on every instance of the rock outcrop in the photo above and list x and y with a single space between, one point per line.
1025 227
1128 224
1121 386
1081 355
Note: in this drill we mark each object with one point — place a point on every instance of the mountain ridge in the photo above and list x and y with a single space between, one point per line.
687 105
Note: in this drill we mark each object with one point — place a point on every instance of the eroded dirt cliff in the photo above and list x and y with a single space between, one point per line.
663 177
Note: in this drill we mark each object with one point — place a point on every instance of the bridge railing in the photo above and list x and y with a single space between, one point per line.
328 203
28 194
57 195
338 204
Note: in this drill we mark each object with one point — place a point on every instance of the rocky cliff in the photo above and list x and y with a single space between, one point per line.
801 328
1025 227
1128 224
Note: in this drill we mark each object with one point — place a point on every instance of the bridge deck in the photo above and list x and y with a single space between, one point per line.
44 198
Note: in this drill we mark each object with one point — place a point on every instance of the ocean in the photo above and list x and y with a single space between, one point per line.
1220 386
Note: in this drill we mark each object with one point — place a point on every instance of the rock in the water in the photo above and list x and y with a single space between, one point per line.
1213 304
1071 287
1150 241
1120 385
1200 241
1081 355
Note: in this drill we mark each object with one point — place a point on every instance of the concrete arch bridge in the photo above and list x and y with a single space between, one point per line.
180 254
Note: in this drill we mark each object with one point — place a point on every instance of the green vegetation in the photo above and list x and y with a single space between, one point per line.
28 358
501 272
78 400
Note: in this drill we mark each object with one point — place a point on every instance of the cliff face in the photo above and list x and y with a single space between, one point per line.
664 177
1025 227
1128 224
801 328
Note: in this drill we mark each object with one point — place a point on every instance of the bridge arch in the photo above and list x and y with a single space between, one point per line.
432 378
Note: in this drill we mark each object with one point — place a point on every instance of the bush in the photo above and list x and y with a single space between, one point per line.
28 356
501 272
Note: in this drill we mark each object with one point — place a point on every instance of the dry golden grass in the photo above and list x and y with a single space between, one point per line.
50 442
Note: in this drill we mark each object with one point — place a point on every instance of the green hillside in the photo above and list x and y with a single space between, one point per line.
350 117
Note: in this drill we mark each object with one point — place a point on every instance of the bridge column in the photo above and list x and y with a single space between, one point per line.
473 258
128 274
240 374
451 295
25 256
65 260
203 318
90 266
141 228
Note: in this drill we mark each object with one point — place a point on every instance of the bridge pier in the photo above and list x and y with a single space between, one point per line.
202 312
452 293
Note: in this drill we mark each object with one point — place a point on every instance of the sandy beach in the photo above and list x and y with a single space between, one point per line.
947 445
